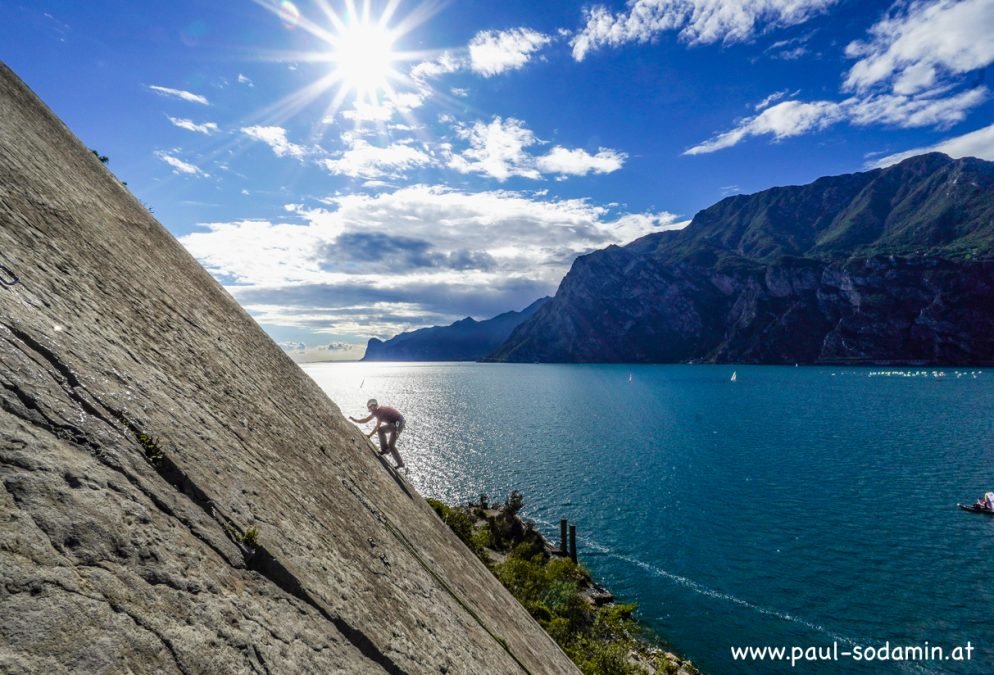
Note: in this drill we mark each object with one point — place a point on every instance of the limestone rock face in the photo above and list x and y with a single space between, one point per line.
177 495
894 265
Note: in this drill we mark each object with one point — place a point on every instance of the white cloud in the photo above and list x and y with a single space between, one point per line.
793 118
181 167
276 138
190 125
363 160
790 50
489 53
385 109
180 94
579 162
364 111
979 143
493 52
421 254
783 120
459 92
499 149
921 42
446 62
698 21
496 149
771 99
335 351
914 111
242 79
909 75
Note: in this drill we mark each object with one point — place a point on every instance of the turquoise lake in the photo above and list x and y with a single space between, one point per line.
792 507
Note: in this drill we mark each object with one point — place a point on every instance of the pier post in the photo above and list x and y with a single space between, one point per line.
572 542
562 537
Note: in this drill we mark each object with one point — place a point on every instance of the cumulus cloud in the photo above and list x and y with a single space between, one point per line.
908 75
496 149
499 149
385 109
276 138
979 143
180 94
919 43
495 52
379 264
243 79
783 120
698 21
580 162
488 53
914 111
793 118
380 252
181 167
190 125
333 351
363 160
445 63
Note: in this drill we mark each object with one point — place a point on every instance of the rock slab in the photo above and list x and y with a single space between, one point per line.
178 497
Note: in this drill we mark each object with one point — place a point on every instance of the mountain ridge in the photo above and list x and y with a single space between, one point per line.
463 340
890 265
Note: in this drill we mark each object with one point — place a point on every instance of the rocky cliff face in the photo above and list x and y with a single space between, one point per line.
464 340
177 495
893 265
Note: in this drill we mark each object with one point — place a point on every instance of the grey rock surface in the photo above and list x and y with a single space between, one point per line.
894 266
147 425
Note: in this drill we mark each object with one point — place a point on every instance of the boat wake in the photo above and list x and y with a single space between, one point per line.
712 593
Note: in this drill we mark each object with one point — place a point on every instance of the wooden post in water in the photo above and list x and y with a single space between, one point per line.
572 542
562 537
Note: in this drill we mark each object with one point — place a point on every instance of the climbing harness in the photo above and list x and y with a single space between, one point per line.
7 276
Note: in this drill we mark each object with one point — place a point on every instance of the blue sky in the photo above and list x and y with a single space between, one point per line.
350 170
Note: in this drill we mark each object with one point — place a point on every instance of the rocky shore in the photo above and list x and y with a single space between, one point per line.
598 633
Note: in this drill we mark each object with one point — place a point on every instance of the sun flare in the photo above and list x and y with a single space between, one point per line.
361 64
363 58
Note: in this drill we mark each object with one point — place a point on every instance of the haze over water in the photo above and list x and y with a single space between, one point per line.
795 506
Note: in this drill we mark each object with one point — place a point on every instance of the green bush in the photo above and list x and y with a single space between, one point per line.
458 521
599 658
528 549
564 569
523 578
251 537
599 640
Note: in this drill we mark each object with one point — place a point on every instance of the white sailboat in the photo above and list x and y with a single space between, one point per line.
734 376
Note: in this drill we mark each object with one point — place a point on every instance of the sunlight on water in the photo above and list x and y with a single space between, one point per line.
791 506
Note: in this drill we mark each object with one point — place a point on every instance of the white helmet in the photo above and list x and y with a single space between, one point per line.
371 403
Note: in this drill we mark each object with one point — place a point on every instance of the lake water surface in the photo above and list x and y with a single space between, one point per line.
794 506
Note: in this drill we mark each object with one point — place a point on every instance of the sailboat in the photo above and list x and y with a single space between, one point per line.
629 378
734 376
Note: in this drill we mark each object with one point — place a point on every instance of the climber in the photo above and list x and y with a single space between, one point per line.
388 421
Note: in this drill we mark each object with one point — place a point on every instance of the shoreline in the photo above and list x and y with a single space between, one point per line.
584 618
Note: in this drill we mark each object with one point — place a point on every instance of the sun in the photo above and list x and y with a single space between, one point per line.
363 58
358 57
